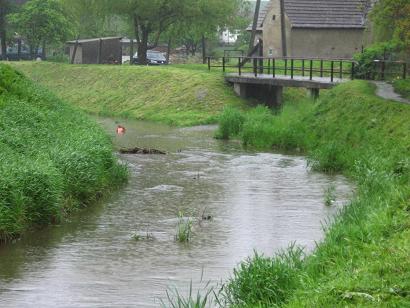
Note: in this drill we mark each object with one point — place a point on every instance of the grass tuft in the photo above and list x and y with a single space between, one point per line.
184 228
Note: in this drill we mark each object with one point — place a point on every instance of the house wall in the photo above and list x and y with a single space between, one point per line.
330 43
272 36
87 52
111 51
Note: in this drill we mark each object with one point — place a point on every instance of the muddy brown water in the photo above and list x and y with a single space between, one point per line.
258 201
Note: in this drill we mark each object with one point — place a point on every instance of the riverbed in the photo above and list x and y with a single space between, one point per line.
255 201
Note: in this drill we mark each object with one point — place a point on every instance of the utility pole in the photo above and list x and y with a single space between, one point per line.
254 26
283 28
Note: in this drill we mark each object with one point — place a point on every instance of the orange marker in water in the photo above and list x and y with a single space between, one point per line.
120 130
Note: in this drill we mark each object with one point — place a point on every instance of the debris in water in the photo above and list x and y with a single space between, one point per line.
141 151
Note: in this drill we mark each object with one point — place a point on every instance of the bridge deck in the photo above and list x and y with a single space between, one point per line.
284 81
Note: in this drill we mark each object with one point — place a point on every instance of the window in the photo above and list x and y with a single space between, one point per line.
274 17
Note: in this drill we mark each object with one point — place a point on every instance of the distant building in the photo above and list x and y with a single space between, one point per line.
88 50
314 28
228 37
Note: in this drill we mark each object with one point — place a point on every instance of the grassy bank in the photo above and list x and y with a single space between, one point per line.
402 87
53 158
364 258
179 95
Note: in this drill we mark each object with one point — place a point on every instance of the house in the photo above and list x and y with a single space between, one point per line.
314 28
106 50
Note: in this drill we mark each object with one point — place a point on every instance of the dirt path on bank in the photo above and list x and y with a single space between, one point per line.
386 90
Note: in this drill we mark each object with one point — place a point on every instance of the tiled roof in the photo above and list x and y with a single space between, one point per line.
264 9
326 13
322 13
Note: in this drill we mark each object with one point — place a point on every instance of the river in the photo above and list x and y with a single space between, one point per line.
257 201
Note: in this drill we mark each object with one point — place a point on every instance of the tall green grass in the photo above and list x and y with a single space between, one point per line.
364 259
263 281
53 158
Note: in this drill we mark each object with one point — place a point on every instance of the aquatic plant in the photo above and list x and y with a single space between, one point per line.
201 299
330 195
143 237
184 228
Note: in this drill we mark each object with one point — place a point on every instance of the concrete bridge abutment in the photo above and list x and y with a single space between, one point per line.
271 95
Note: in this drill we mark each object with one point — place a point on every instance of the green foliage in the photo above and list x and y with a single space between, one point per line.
264 282
402 87
230 123
42 21
392 21
53 159
375 52
262 130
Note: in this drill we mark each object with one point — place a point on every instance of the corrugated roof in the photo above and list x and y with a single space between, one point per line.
326 13
321 13
95 39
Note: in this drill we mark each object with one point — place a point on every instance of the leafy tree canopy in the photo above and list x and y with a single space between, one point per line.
41 22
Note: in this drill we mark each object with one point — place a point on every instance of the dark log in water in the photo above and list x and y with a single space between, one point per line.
141 151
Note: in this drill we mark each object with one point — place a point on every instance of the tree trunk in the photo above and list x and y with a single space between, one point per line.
43 51
169 49
3 34
283 28
143 47
203 49
254 27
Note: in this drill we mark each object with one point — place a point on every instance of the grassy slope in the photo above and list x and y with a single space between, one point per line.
173 94
53 158
402 87
364 259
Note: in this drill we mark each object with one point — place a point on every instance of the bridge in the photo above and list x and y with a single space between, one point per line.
264 78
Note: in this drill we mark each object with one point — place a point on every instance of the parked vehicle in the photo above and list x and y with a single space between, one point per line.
153 57
12 54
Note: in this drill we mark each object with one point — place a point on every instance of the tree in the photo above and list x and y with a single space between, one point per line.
392 21
41 23
5 8
90 19
150 19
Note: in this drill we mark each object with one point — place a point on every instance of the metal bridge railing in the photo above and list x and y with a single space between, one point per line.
309 67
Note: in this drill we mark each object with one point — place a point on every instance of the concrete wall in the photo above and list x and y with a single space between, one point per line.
330 43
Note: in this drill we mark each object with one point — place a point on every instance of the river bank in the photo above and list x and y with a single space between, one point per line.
53 158
176 95
364 258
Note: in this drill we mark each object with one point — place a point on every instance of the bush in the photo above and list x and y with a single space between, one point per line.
365 59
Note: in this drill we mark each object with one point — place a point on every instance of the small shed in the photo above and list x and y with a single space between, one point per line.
105 50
